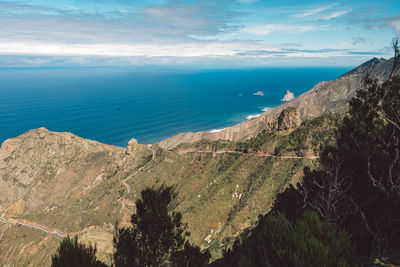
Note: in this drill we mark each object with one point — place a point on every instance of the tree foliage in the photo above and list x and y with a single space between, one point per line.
356 189
358 183
157 236
311 241
290 203
72 253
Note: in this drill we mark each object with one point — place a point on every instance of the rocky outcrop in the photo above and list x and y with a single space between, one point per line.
288 119
288 96
324 97
134 147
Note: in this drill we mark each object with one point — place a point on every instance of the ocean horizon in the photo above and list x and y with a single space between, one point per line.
113 105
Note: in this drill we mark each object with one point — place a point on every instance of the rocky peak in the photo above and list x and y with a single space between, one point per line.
288 119
51 163
134 147
365 67
376 68
288 96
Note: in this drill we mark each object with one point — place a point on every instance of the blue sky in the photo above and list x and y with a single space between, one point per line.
203 32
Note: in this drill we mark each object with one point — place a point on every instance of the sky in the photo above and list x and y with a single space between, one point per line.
202 32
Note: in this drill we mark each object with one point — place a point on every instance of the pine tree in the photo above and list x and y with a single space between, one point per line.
72 253
311 241
157 236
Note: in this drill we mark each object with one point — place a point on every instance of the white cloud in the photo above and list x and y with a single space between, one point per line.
268 28
72 7
314 11
208 53
396 25
247 1
334 14
175 32
117 50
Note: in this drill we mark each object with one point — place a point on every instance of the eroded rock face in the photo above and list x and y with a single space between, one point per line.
288 119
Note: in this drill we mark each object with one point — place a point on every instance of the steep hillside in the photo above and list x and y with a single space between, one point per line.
54 184
324 97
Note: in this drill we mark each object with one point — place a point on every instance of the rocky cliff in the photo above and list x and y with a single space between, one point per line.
288 119
324 97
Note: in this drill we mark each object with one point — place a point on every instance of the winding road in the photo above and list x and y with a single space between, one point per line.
48 231
260 154
128 187
124 182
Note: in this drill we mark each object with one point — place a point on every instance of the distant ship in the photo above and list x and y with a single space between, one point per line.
258 93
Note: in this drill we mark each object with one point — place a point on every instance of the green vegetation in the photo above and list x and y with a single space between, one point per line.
361 175
157 237
346 212
290 110
308 242
72 253
309 137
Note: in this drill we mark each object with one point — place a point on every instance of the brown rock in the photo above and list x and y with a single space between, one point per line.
133 147
288 119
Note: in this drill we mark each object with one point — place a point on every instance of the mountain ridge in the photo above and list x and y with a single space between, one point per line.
324 97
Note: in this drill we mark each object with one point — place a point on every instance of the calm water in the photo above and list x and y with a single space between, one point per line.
112 105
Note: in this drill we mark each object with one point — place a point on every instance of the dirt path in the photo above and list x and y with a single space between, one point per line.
61 234
124 182
128 187
48 231
260 154
152 150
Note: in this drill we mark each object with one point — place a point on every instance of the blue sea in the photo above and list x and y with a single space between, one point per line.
112 105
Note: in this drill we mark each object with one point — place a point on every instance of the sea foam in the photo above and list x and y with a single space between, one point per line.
216 130
252 116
